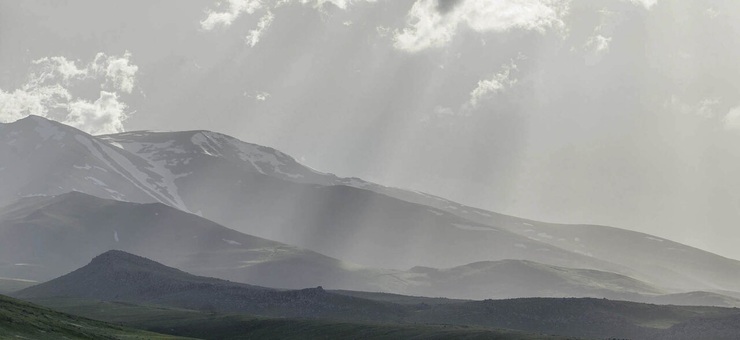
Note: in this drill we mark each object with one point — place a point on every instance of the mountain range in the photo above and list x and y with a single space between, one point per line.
213 205
120 277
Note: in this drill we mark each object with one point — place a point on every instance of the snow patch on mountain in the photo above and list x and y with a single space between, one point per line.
165 192
653 239
232 242
438 213
473 228
96 181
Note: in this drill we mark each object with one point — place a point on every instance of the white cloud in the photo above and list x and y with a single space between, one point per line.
499 82
104 115
231 10
647 3
595 48
343 4
235 8
254 35
117 70
706 108
31 101
48 92
383 31
712 13
598 44
261 96
485 89
732 119
52 67
430 26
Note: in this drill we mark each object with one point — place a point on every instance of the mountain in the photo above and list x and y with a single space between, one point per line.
263 192
43 157
120 276
22 320
517 278
123 277
44 237
672 264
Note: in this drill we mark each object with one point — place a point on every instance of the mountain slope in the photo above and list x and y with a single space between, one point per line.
43 157
120 276
22 320
41 237
44 237
263 192
128 278
671 265
516 278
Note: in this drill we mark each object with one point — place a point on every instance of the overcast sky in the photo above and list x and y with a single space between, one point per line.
615 112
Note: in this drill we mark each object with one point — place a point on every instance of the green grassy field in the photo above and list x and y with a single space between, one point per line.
22 320
222 326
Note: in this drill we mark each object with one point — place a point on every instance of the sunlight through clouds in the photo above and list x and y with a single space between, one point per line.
49 89
254 35
431 25
234 9
499 82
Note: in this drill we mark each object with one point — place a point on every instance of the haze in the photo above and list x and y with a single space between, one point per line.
620 113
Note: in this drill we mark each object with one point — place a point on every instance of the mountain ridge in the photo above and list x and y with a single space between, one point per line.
256 201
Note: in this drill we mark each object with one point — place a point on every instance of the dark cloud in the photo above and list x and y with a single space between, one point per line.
445 6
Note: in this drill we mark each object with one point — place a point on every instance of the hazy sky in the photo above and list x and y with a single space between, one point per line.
623 113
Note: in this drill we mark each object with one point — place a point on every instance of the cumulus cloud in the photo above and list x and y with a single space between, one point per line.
104 115
598 43
647 3
234 9
485 90
342 4
732 119
254 35
49 89
432 23
55 67
117 70
30 100
486 87
229 11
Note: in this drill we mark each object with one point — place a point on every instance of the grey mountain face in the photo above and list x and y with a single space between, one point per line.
263 192
43 157
672 264
119 276
44 237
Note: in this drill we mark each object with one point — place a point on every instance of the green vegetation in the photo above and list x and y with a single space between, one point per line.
224 326
23 320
